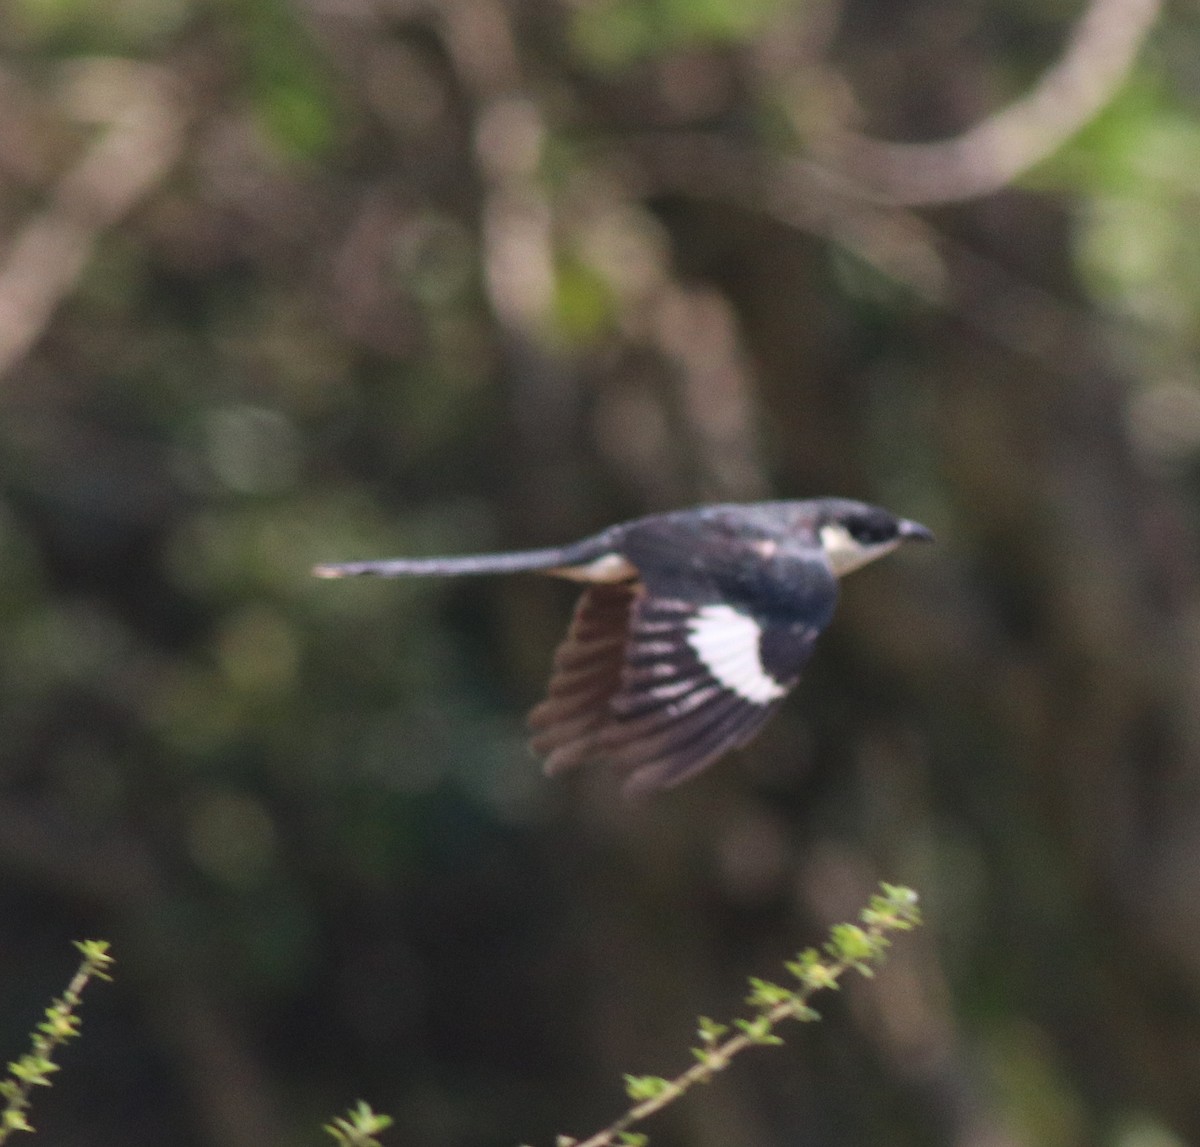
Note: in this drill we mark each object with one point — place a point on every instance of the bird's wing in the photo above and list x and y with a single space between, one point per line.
661 686
585 678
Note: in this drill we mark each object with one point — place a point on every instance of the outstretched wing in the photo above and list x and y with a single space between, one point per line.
662 687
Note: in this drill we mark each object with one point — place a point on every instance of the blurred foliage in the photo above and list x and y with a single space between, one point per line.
616 33
283 282
359 1127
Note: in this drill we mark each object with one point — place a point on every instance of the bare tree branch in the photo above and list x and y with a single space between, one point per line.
141 142
989 156
941 272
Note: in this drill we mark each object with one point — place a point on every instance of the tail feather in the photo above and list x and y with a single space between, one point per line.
548 559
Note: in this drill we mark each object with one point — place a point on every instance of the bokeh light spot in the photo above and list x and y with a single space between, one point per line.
231 837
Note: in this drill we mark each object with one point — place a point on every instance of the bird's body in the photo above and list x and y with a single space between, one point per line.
694 624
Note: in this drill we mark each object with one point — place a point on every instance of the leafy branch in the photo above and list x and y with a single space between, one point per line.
851 947
857 947
358 1127
36 1066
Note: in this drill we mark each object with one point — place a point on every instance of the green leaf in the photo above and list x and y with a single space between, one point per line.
709 1030
14 1120
358 1127
895 910
59 1024
849 944
764 994
643 1087
96 957
803 1012
758 1031
33 1069
809 969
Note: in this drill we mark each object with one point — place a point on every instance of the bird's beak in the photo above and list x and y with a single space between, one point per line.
914 531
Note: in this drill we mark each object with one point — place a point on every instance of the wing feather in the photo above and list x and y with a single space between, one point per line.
731 732
659 687
587 672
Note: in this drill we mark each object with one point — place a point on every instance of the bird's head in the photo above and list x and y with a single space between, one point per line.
853 533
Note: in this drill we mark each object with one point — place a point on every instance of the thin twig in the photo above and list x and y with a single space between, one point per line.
850 947
36 1066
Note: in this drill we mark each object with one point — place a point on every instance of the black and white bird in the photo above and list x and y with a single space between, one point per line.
692 628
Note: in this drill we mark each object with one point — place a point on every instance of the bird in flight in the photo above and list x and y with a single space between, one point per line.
692 626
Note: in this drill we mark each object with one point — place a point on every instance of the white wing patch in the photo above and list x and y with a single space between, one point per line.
726 642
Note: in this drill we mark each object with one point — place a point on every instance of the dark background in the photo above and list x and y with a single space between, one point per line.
283 282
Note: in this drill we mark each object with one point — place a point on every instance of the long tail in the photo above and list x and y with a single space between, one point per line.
469 564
